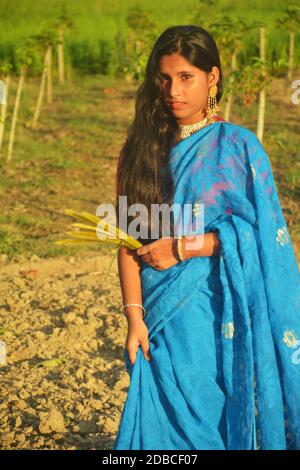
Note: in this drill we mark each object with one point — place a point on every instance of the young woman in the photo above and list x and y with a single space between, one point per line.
215 362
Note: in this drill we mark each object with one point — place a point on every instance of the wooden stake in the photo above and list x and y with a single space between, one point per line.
41 92
3 109
262 94
230 95
15 115
60 58
49 75
291 55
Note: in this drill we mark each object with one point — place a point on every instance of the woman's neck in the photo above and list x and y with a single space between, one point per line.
192 120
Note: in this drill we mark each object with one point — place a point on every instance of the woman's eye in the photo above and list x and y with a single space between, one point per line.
165 80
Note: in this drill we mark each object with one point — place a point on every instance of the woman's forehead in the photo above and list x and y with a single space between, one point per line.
176 64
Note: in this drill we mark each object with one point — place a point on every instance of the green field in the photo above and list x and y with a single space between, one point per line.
97 42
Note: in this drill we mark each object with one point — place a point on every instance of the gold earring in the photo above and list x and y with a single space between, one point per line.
212 108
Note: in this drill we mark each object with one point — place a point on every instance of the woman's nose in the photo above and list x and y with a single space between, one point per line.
174 89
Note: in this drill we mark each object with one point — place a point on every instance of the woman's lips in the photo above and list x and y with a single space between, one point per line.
177 104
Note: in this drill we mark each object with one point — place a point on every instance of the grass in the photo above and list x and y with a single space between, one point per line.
98 18
70 160
95 42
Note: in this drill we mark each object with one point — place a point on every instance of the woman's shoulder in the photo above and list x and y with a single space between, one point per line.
240 141
234 130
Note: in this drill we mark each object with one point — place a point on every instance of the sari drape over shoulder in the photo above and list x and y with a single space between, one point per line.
224 331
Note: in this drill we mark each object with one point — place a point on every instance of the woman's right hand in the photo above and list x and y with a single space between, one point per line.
137 334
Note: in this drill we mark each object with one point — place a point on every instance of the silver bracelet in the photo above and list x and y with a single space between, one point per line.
137 305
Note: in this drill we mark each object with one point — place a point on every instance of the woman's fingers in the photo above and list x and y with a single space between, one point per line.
146 348
132 351
132 355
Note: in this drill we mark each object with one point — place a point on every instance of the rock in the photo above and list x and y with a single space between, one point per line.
92 311
20 438
72 260
97 404
23 394
87 427
52 422
9 437
110 425
85 294
56 331
39 335
92 384
79 374
79 408
22 405
18 422
69 317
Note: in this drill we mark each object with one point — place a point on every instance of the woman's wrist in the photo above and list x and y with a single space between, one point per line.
188 251
206 244
133 313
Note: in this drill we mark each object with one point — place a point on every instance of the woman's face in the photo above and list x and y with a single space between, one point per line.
186 87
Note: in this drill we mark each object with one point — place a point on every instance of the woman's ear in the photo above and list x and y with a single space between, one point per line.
214 75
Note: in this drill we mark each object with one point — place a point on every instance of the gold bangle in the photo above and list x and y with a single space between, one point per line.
180 249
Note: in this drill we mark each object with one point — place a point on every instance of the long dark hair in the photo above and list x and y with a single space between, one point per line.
143 174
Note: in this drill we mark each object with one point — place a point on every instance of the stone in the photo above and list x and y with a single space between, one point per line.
18 421
69 317
52 422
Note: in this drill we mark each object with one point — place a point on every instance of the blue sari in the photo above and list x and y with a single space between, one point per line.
224 331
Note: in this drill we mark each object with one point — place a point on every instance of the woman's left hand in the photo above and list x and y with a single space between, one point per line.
160 254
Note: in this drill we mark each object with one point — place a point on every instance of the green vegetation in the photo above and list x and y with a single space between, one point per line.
101 37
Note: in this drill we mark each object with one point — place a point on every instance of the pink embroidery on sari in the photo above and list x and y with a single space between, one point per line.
210 196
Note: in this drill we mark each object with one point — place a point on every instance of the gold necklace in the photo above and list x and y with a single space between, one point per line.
187 129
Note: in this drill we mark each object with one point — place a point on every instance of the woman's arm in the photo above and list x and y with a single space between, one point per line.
206 244
130 280
162 253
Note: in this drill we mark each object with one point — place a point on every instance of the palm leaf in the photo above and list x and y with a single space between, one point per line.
69 241
90 233
87 227
85 216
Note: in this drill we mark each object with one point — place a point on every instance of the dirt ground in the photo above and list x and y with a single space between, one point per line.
64 384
